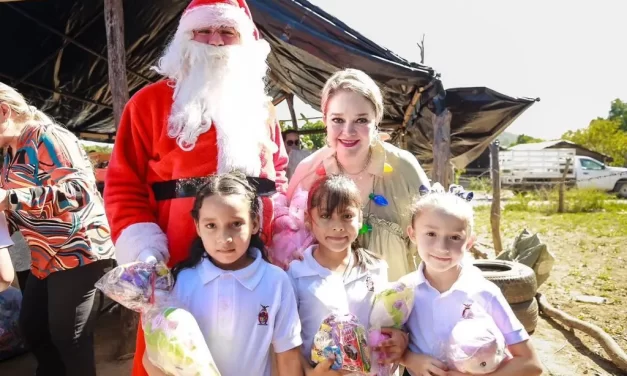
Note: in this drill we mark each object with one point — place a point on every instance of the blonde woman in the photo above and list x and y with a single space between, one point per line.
388 177
48 193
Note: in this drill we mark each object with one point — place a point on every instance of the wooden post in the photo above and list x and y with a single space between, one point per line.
495 212
441 148
116 50
290 104
114 22
560 204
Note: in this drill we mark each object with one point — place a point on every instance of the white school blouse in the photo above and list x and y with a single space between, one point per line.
435 314
320 292
241 313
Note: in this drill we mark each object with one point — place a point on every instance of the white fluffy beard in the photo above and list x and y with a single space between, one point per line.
224 86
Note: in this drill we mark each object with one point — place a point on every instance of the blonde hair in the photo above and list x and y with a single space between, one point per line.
20 107
358 82
447 203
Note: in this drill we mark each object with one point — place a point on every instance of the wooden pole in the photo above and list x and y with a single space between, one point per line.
560 204
116 50
495 211
290 104
442 148
114 22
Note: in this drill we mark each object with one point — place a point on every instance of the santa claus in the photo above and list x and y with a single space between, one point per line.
209 115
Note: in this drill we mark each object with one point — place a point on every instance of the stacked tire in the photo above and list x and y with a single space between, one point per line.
518 284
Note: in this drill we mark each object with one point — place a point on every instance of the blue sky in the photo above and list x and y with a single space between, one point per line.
571 54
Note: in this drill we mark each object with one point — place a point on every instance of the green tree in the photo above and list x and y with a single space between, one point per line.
618 112
524 139
310 141
603 136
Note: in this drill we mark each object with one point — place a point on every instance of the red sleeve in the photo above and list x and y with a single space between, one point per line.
126 191
280 160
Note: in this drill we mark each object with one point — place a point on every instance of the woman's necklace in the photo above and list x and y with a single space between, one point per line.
343 170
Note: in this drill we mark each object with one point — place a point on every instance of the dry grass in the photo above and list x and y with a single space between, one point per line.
591 259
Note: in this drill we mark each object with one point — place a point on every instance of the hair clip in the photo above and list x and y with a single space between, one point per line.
459 191
455 189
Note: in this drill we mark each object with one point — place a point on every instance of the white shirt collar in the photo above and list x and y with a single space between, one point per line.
310 267
249 277
463 283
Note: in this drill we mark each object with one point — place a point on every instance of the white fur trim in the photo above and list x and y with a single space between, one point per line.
218 15
141 239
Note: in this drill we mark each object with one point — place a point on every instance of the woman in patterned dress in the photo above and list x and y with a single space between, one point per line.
48 192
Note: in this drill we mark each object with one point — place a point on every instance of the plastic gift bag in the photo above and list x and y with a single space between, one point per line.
174 342
291 238
11 341
391 309
342 336
476 346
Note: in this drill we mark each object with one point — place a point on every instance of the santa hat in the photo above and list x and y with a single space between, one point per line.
207 13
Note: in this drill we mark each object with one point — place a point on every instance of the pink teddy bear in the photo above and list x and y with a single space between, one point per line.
476 346
291 237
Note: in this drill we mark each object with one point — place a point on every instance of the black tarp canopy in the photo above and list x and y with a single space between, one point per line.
55 53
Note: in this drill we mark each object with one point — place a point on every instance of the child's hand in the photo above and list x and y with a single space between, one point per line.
394 347
423 365
324 369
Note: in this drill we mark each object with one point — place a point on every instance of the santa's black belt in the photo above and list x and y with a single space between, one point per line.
182 188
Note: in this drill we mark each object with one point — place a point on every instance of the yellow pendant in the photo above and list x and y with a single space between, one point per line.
387 168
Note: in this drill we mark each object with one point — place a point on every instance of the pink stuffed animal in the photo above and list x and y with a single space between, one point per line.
476 346
291 237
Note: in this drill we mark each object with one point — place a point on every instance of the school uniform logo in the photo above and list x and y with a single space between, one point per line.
467 311
263 316
369 283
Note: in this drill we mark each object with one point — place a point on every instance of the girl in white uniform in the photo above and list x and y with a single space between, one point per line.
335 274
242 303
448 286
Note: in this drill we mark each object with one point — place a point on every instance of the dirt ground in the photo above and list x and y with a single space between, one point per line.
590 259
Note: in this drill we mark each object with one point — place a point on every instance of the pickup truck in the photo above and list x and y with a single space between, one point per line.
530 169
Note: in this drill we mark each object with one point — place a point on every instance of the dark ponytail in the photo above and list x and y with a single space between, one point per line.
232 183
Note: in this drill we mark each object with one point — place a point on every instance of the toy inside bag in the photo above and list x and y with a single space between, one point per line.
291 237
342 336
133 285
174 342
476 346
391 309
11 340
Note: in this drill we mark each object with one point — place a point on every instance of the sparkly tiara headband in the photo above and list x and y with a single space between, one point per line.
454 189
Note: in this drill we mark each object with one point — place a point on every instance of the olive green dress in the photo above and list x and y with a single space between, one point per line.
397 177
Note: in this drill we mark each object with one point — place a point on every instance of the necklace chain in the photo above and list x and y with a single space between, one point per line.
343 170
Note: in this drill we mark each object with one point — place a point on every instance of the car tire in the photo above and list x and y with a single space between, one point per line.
517 281
527 314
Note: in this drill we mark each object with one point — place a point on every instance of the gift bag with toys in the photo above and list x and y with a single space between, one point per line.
391 309
174 342
342 336
291 237
476 345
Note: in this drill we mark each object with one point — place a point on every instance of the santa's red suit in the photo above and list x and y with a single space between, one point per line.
149 188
